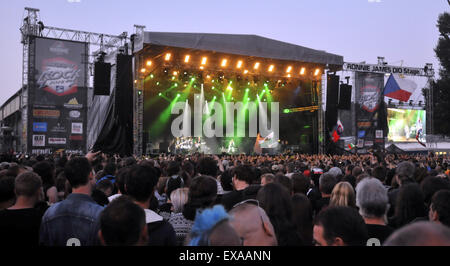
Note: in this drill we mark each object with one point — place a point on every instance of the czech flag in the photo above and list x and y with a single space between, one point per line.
399 88
337 132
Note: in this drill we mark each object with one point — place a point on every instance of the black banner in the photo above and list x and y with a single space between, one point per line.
58 97
369 109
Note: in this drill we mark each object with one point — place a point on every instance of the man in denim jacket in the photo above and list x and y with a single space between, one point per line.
75 220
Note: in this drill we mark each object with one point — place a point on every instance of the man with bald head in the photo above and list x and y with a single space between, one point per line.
253 225
420 234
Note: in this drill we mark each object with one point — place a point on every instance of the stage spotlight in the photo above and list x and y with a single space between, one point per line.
224 63
256 65
168 55
166 71
302 71
143 70
271 67
160 94
239 64
288 70
204 59
149 62
175 73
245 71
316 72
201 67
289 75
186 58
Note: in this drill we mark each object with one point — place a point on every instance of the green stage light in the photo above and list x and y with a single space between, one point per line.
214 97
286 111
192 79
176 84
213 88
160 94
248 83
178 95
231 82
157 83
173 77
307 126
152 76
247 89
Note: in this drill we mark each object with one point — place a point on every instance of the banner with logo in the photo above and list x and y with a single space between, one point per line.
369 109
58 96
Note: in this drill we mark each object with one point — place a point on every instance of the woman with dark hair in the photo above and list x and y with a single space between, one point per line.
409 205
46 171
276 201
202 194
303 217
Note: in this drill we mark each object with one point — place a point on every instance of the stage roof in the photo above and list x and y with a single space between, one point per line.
240 44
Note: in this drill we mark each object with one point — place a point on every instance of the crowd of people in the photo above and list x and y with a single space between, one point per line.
225 200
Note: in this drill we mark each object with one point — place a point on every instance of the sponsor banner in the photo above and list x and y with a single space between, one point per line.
38 141
369 107
41 151
57 141
79 152
378 134
40 127
74 114
387 69
58 128
76 137
45 113
73 104
77 128
61 70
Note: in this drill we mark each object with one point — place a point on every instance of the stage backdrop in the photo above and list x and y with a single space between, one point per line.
370 111
57 101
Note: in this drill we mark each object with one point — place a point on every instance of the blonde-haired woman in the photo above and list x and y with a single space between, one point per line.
343 194
180 224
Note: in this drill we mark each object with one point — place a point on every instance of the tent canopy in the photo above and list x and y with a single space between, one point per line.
241 44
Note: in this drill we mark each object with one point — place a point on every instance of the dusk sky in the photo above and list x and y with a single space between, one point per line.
359 30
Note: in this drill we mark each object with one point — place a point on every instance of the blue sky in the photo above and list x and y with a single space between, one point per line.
359 30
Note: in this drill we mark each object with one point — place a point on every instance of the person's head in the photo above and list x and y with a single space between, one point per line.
379 173
356 171
326 183
409 204
122 223
202 194
141 183
420 234
290 168
105 186
179 198
46 171
28 185
173 168
207 166
226 180
243 175
303 216
78 172
340 226
343 195
336 172
372 199
172 183
440 207
349 169
267 178
7 195
405 173
431 185
110 169
276 201
300 183
284 181
252 224
212 228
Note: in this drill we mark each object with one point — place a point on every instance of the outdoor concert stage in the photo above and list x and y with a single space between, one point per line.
204 72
